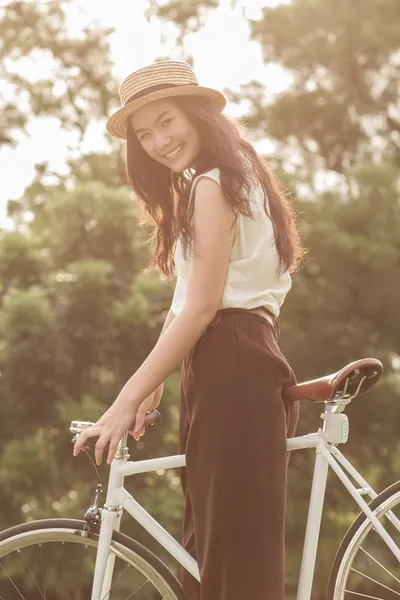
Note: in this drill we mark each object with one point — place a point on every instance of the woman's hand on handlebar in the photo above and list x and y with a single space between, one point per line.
110 428
123 415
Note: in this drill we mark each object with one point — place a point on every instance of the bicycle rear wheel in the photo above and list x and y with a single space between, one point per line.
364 566
50 560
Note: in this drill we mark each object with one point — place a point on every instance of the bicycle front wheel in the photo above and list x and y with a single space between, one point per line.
364 566
50 560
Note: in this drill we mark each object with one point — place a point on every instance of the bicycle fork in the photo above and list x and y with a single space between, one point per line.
104 567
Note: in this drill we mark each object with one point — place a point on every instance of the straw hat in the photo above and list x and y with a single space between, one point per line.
164 79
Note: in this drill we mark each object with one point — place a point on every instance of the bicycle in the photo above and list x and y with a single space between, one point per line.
357 564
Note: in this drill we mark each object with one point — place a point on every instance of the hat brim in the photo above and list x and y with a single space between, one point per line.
117 123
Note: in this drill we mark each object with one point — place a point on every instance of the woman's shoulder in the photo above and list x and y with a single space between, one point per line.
214 173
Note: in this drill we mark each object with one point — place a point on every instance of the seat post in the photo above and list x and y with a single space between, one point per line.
335 425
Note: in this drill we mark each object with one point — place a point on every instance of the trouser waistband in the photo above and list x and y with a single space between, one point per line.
261 311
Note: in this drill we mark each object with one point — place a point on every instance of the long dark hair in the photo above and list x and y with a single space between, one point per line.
163 194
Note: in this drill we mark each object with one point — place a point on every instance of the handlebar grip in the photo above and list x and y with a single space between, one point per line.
152 418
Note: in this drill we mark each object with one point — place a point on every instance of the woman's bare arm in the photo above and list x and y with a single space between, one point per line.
168 320
213 236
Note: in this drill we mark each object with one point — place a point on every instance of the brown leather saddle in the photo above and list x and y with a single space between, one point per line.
356 378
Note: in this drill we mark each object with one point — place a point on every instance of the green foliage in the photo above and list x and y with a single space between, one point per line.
188 15
34 31
23 264
343 100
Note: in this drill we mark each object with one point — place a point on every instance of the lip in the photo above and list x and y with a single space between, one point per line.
179 153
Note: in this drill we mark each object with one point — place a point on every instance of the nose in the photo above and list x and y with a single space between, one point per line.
163 142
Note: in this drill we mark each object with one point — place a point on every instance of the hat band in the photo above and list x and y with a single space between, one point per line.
156 88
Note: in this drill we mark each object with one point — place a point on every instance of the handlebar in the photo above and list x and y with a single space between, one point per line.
78 426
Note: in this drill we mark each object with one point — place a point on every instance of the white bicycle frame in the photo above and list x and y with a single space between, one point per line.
333 432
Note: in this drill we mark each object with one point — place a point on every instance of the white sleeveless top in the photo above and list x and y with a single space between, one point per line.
252 279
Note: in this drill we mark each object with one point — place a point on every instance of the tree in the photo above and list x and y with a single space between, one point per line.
343 102
75 84
33 31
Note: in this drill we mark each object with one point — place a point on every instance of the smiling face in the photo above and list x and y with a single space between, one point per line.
166 134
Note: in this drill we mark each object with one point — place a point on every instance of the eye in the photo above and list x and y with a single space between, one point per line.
143 137
166 121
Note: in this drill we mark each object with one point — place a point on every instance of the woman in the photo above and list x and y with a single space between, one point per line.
231 237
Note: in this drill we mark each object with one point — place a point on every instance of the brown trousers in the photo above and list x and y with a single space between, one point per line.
233 430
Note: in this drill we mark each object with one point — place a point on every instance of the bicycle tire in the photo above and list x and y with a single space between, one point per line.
41 531
356 534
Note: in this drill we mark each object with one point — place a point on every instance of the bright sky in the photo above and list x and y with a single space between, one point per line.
223 57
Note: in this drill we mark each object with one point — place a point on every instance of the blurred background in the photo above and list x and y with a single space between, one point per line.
316 84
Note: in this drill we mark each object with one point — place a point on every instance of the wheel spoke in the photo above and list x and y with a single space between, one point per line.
82 570
118 578
31 574
12 582
42 570
363 595
138 590
378 563
113 584
375 581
